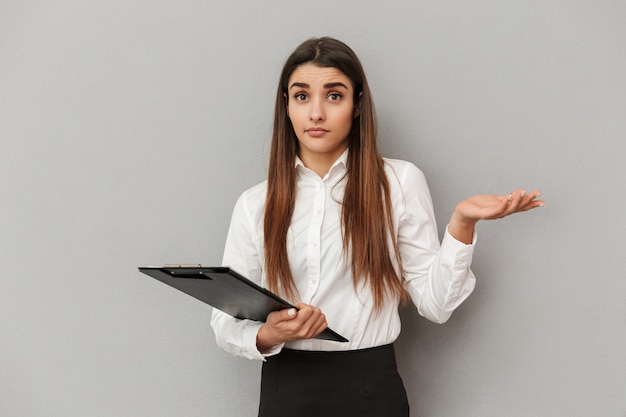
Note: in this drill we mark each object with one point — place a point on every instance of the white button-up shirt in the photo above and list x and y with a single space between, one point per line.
438 276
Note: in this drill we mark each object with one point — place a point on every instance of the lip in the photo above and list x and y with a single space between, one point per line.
317 131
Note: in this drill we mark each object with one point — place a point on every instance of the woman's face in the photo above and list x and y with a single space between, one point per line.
320 106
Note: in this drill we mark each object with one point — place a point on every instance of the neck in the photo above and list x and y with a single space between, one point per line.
320 163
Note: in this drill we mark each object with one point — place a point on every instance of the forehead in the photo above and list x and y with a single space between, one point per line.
314 75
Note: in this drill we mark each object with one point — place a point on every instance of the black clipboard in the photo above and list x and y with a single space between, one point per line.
226 290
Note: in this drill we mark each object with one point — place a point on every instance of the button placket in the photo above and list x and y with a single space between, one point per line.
313 240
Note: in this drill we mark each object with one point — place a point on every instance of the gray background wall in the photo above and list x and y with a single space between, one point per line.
129 128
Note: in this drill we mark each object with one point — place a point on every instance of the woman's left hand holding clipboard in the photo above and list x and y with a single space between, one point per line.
302 322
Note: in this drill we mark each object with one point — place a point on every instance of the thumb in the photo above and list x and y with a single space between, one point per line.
288 314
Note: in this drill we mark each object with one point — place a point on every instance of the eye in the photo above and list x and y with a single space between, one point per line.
300 96
334 96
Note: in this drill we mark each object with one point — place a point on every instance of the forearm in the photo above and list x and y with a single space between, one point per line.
266 339
236 336
462 229
438 290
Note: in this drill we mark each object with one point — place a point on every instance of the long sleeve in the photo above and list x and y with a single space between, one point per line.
241 253
438 276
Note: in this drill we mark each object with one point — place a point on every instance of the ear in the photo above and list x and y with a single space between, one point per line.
357 107
286 105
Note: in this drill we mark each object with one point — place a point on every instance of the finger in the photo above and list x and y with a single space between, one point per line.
316 326
311 326
534 196
305 312
529 201
279 316
516 200
532 205
289 314
321 325
500 209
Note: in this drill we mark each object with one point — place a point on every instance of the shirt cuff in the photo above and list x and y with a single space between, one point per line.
448 236
274 350
250 350
454 251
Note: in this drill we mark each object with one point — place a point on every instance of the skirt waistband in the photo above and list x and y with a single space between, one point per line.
380 354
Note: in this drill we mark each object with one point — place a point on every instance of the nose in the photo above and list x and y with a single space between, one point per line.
316 112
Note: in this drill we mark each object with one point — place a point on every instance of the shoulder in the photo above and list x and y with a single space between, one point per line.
255 192
399 164
252 200
409 188
403 172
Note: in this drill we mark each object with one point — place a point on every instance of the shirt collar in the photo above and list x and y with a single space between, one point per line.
342 160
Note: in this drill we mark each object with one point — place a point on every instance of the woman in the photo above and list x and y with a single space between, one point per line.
346 235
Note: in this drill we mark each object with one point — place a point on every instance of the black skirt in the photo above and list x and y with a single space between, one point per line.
363 383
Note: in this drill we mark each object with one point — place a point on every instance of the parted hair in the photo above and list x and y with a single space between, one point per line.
366 217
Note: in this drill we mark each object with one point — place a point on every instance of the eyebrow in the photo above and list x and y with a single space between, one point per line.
328 85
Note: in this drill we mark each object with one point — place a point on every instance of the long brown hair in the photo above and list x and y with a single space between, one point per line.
367 220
